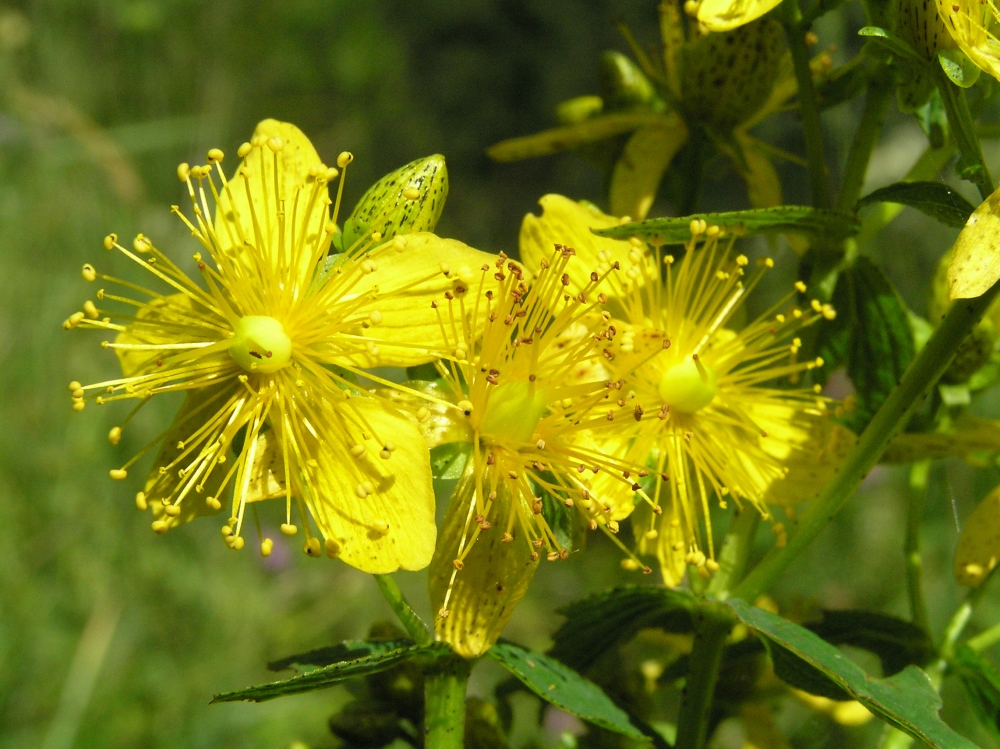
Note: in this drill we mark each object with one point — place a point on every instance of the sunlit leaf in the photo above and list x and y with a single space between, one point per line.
936 199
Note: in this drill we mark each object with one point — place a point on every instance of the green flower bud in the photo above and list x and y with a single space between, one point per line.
575 111
726 78
623 85
407 200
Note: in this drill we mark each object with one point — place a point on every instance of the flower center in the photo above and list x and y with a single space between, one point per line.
688 386
260 344
513 411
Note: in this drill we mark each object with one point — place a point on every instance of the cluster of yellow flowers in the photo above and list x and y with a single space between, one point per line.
598 375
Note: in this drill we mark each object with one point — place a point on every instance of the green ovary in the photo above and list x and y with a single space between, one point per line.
688 386
260 344
512 412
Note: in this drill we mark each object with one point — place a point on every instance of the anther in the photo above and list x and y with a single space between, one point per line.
89 274
345 158
411 194
183 173
288 529
160 526
464 405
213 503
265 547
380 526
140 501
215 155
275 143
332 548
311 546
243 150
90 310
172 510
118 473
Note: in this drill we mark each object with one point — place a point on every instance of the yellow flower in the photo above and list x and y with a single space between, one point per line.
726 15
268 347
972 25
725 427
534 393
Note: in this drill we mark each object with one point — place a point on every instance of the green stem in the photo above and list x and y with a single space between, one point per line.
444 703
964 134
911 549
985 639
877 99
712 626
735 553
808 107
414 627
925 370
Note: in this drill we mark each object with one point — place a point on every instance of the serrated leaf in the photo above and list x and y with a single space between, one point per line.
563 687
871 335
345 651
893 43
982 681
791 219
335 673
571 136
907 700
596 623
934 199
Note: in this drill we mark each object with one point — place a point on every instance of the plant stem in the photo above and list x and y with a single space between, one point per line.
880 90
963 133
808 108
911 549
712 626
444 703
414 627
735 553
925 370
985 639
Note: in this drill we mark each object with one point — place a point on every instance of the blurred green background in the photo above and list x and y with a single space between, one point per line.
113 637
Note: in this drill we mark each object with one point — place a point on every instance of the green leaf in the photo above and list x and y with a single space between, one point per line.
335 673
907 700
935 199
871 335
897 643
345 651
448 460
982 681
598 622
962 71
791 219
571 136
563 687
893 43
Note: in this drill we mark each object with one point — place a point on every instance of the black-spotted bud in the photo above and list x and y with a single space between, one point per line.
727 77
623 85
407 200
919 24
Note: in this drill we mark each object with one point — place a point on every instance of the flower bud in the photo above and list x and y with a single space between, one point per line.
727 77
623 84
390 208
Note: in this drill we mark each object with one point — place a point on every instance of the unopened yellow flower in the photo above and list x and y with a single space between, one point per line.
535 382
267 346
724 425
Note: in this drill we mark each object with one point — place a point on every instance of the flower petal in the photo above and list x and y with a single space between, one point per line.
403 286
637 173
169 309
566 222
494 577
163 479
726 15
391 527
299 197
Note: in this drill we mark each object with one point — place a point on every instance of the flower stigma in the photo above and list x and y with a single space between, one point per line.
260 344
